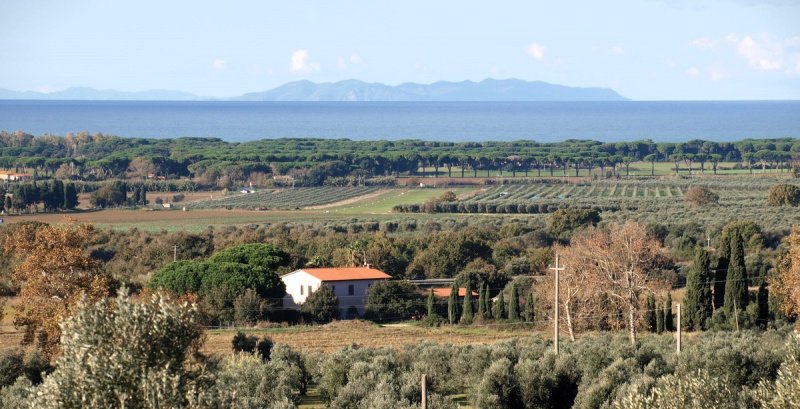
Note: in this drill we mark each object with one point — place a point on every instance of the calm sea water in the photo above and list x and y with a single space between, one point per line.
441 121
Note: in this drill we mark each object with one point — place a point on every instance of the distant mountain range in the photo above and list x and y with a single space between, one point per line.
354 90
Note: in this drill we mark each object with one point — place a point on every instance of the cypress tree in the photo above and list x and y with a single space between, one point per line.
736 279
762 298
143 195
499 307
431 301
467 312
650 314
669 324
481 314
721 273
487 299
513 304
135 196
659 319
8 204
529 310
452 304
698 301
70 196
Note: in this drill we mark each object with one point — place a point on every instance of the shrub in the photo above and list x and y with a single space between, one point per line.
321 306
137 356
393 299
242 342
784 195
700 196
247 308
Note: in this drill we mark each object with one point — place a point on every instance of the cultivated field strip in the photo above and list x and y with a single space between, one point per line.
296 198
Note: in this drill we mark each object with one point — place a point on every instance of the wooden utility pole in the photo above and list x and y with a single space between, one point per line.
174 253
679 329
424 402
557 268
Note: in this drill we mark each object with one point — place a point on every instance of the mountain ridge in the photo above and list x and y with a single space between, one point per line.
354 90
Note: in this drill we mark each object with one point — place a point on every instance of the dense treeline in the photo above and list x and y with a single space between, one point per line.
312 162
53 195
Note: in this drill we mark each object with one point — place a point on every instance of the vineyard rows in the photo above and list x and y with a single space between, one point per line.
284 198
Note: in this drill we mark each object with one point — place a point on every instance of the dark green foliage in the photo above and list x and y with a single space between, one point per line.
762 300
487 299
736 294
513 304
529 313
264 347
70 196
659 319
242 342
499 308
200 277
721 272
564 221
248 308
669 323
650 313
481 313
431 305
262 255
467 312
698 302
109 195
393 300
498 387
321 306
452 304
11 367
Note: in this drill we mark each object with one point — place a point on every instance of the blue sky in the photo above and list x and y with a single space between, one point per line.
645 49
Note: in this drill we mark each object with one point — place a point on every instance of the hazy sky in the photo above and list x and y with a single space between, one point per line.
644 49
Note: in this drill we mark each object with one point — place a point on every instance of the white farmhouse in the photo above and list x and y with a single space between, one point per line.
350 285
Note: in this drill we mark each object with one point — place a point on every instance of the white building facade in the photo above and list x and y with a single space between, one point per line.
349 284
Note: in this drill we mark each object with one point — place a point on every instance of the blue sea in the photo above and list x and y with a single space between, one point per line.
437 121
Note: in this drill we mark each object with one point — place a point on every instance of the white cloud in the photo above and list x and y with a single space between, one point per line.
705 43
218 64
536 51
341 63
355 59
300 62
761 51
493 69
716 74
617 50
693 72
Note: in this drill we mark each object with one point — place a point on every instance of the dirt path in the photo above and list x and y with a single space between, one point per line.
347 201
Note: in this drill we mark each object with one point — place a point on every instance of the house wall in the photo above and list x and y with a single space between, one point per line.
294 298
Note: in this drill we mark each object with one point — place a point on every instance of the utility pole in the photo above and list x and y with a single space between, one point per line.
557 268
174 253
424 401
679 329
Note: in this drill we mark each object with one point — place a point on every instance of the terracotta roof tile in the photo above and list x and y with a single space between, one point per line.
445 292
347 273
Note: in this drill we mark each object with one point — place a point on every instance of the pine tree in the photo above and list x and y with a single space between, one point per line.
467 313
499 307
431 301
659 319
513 304
452 304
487 299
736 280
723 260
481 314
762 317
529 310
669 324
650 314
698 301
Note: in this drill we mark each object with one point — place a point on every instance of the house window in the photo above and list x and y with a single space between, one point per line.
333 288
351 289
309 290
301 290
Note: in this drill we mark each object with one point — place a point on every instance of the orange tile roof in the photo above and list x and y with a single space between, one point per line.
445 292
347 273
